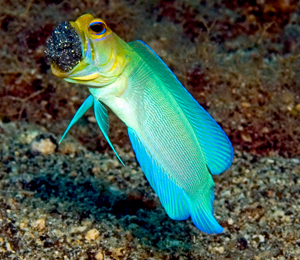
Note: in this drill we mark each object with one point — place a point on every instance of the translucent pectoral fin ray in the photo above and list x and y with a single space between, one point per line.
102 120
80 112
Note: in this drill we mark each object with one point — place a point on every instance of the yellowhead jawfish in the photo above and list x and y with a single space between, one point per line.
178 144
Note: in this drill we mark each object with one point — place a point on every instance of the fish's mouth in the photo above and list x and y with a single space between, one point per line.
77 53
64 49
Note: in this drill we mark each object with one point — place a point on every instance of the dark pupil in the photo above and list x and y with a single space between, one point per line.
97 28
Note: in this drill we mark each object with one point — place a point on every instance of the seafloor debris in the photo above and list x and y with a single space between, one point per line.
43 144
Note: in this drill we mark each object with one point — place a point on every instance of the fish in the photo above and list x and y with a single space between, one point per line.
178 145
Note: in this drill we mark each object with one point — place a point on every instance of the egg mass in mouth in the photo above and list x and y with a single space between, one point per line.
63 48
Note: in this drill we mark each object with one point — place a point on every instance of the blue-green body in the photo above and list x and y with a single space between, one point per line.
178 145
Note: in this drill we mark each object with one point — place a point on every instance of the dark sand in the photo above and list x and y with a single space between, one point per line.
73 204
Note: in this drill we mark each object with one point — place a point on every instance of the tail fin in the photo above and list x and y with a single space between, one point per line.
202 212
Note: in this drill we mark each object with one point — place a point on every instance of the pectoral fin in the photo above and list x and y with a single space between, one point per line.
102 120
80 112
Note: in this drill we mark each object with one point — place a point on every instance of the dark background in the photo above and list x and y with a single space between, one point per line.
239 59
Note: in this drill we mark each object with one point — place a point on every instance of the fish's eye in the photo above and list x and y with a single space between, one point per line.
97 28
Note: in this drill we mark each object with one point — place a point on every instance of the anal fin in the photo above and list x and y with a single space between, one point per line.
202 212
171 196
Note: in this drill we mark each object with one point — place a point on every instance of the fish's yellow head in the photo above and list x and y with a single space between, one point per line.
86 51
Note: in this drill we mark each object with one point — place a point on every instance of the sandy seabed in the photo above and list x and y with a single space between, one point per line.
71 203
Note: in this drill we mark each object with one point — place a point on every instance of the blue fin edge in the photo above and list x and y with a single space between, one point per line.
80 112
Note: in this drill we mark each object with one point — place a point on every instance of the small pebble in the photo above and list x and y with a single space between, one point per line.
39 224
278 213
28 136
8 247
246 104
92 119
68 148
242 243
44 144
92 234
295 160
22 225
297 107
99 256
259 238
230 221
219 249
78 229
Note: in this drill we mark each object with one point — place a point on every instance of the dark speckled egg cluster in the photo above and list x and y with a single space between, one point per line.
64 47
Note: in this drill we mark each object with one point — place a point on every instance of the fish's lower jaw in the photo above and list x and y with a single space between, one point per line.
58 73
86 77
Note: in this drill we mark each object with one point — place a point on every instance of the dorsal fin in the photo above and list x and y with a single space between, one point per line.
214 142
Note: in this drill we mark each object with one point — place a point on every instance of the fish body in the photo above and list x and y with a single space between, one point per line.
178 145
